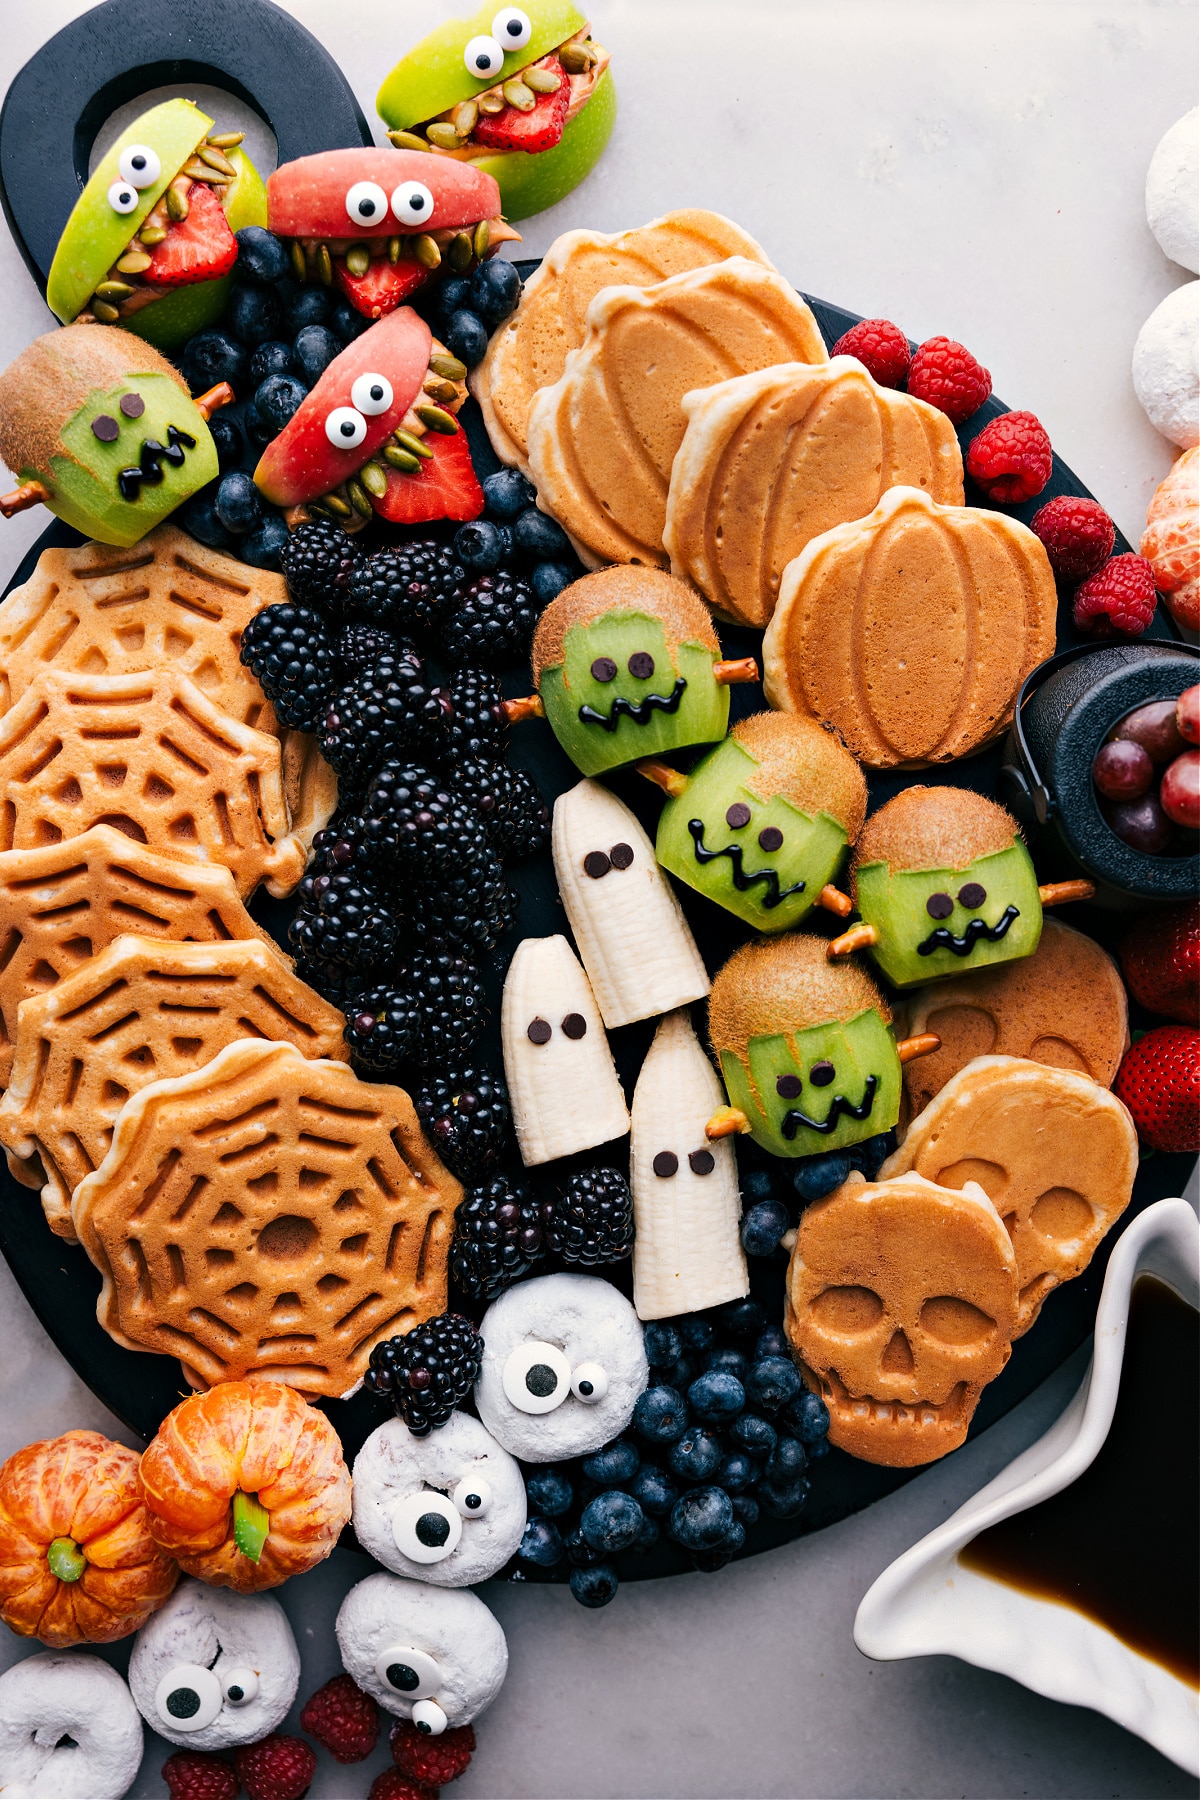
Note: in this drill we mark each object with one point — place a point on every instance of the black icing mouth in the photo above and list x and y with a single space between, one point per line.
154 454
641 713
944 939
839 1107
774 896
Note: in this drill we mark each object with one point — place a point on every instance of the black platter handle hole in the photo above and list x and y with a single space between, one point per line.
231 111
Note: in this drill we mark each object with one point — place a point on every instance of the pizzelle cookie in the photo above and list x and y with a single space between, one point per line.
772 459
309 786
602 440
530 350
150 754
142 1011
268 1216
1054 1151
911 631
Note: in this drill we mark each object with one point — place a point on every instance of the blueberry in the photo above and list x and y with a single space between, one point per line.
257 428
783 1499
745 1509
662 1345
660 1415
742 1318
466 337
716 1396
701 1518
454 294
580 1551
771 1342
542 1544
271 358
710 1562
314 348
696 1334
479 546
198 515
873 1152
816 1176
736 1472
819 1449
228 439
309 306
771 1383
538 535
239 505
549 579
807 1416
646 1538
763 1224
507 493
253 314
346 322
757 1184
758 1436
613 1466
654 1490
696 1456
681 1374
787 1462
262 547
210 357
495 290
611 1522
549 1489
595 1586
725 1356
261 256
277 398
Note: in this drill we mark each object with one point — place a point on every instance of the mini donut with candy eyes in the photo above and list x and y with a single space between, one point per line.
433 1655
68 1729
448 1509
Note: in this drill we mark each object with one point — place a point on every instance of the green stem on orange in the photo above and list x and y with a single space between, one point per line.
66 1560
251 1523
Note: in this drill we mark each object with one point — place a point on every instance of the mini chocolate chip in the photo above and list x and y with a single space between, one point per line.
105 428
604 669
641 665
621 856
702 1162
770 837
821 1074
539 1031
939 906
972 895
132 405
665 1163
596 864
788 1086
574 1026
738 816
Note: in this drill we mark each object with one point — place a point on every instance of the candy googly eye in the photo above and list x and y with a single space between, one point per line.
372 395
123 197
483 58
240 1687
407 1671
412 203
512 28
589 1383
426 1527
367 203
188 1697
429 1718
537 1377
139 165
472 1496
345 428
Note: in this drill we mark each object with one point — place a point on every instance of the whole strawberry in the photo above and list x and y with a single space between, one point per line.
880 347
1160 960
343 1718
1011 459
192 1775
432 1760
1077 533
1119 600
277 1768
392 1785
949 377
1159 1081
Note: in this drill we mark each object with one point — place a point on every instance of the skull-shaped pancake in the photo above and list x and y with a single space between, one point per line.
901 1307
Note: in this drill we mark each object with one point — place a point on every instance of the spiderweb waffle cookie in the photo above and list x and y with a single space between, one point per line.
309 786
139 1012
150 754
267 1216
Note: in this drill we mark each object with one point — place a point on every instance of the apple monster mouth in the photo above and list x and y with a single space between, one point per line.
839 1107
640 712
769 878
148 469
977 931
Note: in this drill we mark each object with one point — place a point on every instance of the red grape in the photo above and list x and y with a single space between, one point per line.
1142 824
1187 714
1180 791
1154 728
1122 770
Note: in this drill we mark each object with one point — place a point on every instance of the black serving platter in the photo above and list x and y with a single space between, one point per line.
140 1388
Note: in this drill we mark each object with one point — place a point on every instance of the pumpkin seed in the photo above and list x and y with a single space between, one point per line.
136 262
358 259
491 104
113 291
299 263
213 178
408 441
542 81
445 391
465 118
177 204
216 159
448 367
443 134
394 247
336 505
107 315
437 420
459 253
397 458
324 265
152 234
359 499
200 171
481 242
518 95
407 140
574 59
373 479
225 140
426 251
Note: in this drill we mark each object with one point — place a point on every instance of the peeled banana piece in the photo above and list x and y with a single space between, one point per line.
687 1252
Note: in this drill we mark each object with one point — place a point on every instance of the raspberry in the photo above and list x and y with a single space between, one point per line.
276 1768
433 1760
1011 459
392 1785
1119 600
1078 535
343 1718
947 376
880 347
190 1775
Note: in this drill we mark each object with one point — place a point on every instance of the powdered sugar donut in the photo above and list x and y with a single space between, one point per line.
448 1509
58 1695
432 1655
213 1668
1166 366
1173 193
563 1365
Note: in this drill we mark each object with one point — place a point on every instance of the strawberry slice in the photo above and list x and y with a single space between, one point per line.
384 286
444 488
538 130
198 248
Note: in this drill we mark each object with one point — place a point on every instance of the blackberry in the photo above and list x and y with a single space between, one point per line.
491 621
591 1221
508 802
466 1113
342 919
318 561
429 1371
287 650
497 1237
385 709
464 910
477 728
413 818
450 1003
333 981
358 647
407 589
381 1028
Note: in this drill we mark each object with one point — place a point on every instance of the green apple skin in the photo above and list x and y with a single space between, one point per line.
434 77
810 853
529 184
175 318
701 717
95 236
894 903
83 483
858 1048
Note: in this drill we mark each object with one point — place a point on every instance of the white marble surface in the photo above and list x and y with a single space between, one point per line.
969 169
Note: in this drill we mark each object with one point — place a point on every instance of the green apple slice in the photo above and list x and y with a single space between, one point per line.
433 76
531 183
175 318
